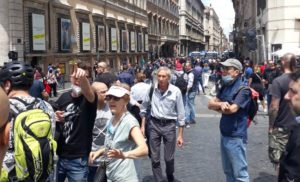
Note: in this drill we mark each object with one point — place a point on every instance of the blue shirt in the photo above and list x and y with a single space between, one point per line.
235 125
36 89
168 105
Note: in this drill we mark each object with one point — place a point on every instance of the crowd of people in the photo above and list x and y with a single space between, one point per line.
101 128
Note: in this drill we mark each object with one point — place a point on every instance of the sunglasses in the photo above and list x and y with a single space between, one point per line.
109 97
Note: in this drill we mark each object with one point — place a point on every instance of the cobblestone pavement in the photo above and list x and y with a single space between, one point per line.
200 160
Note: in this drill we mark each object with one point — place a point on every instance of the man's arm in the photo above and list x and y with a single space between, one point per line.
143 111
180 118
84 83
273 111
214 104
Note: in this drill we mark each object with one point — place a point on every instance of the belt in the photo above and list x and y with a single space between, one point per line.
163 120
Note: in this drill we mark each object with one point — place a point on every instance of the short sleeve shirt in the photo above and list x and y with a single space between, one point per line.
122 169
99 132
278 89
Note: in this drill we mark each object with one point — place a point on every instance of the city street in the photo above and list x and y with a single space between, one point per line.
200 160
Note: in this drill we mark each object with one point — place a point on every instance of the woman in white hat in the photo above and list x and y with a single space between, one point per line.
124 140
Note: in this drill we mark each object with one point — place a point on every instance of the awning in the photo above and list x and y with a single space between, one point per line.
81 8
98 12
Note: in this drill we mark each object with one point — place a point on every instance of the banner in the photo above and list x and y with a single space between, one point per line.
132 41
113 39
38 32
146 42
85 36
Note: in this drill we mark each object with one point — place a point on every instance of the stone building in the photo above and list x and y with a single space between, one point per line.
212 30
59 31
163 23
264 26
191 29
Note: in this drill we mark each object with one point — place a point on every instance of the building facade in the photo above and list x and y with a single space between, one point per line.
163 23
191 29
264 26
60 31
212 30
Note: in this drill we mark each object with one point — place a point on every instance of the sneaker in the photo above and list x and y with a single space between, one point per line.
176 127
265 110
187 126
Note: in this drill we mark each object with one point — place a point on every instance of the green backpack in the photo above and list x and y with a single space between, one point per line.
34 145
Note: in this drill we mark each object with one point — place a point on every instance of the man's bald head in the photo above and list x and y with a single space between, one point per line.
4 107
101 89
4 131
101 67
99 86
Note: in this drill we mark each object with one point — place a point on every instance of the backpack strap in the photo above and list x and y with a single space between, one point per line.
151 92
28 106
240 89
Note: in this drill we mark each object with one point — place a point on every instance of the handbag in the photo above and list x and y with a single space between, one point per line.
100 175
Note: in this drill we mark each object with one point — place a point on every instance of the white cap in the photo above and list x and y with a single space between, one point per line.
117 91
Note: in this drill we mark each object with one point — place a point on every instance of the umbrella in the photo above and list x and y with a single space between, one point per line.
281 52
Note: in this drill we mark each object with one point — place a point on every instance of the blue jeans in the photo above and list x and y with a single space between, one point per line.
190 107
76 170
234 160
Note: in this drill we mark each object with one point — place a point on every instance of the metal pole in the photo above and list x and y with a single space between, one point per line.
264 47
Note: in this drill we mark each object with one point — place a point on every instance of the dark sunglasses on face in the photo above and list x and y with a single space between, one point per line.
109 97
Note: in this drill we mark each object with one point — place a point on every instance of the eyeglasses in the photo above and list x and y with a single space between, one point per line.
109 97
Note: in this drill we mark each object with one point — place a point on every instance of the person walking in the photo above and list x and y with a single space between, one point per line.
192 88
166 108
233 102
198 74
124 140
100 127
281 119
52 81
255 82
289 169
206 73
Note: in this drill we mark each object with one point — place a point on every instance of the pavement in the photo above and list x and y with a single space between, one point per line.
199 160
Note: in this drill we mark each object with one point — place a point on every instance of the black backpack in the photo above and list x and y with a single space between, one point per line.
181 83
253 106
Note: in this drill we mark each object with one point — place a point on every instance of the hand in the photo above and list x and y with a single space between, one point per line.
59 116
92 157
270 130
179 141
116 153
224 106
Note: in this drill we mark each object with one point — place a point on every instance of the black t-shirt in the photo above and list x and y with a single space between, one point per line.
107 78
270 75
285 116
74 135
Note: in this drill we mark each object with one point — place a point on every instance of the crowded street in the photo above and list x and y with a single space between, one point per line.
149 90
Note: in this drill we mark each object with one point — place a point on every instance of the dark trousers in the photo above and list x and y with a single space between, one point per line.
165 131
53 88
